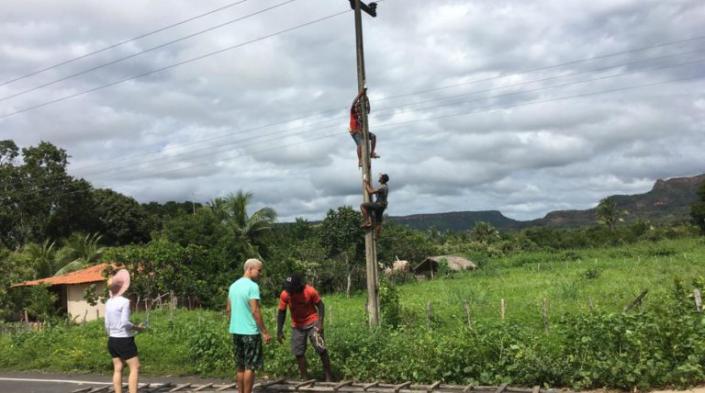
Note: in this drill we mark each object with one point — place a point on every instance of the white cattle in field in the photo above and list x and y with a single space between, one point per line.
401 266
398 267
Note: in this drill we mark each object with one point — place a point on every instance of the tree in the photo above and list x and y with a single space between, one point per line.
484 233
250 231
14 268
9 178
403 243
203 228
119 218
42 258
607 213
39 199
342 237
41 303
8 152
79 251
159 214
697 209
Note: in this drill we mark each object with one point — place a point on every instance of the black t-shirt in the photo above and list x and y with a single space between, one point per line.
382 194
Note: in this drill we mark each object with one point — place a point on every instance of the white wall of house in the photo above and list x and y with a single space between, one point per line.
78 308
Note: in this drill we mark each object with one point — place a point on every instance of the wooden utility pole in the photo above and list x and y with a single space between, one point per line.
370 244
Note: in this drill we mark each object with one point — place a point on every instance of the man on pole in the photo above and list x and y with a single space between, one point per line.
359 104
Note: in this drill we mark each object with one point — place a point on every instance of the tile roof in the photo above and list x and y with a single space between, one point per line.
83 276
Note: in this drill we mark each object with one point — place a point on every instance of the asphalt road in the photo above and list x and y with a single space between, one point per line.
65 383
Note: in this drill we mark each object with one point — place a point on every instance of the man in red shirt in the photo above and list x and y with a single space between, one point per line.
307 313
356 125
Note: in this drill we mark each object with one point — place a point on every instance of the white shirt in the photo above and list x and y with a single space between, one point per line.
117 317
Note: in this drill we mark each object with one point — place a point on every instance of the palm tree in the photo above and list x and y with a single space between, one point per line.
42 257
607 213
249 230
79 252
484 233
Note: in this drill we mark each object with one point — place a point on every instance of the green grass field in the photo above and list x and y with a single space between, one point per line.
608 279
590 342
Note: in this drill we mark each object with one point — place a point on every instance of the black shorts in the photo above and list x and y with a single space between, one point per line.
122 347
377 209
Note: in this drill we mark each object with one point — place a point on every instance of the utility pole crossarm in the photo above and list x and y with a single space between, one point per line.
370 9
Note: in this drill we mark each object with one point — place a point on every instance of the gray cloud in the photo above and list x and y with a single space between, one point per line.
500 138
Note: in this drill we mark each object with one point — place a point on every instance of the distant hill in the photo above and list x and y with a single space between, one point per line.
668 201
457 221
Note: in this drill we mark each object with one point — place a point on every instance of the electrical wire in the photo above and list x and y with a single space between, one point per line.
115 45
160 46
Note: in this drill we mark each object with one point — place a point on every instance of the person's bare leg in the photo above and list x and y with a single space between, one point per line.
325 360
303 369
359 155
365 216
134 365
117 375
248 381
373 140
240 379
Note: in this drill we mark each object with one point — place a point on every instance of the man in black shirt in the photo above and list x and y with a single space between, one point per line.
374 210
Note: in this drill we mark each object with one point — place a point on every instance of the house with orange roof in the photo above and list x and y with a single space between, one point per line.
71 288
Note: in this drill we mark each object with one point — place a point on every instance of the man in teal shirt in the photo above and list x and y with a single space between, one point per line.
246 325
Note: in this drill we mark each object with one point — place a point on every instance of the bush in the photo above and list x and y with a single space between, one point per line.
389 305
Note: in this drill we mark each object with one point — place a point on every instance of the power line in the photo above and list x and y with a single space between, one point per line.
382 110
174 65
569 75
319 20
392 125
257 139
160 46
560 65
115 45
336 124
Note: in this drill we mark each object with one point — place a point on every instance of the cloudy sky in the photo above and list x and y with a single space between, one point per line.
519 106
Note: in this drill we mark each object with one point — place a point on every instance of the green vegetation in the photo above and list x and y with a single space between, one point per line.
697 210
562 292
589 341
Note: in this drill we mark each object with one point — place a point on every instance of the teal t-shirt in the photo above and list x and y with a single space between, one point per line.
240 293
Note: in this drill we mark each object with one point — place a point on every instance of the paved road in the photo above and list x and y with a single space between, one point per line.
65 383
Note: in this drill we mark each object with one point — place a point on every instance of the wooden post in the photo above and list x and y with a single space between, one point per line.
698 300
545 314
370 245
501 309
466 306
429 313
590 306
